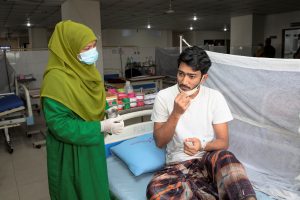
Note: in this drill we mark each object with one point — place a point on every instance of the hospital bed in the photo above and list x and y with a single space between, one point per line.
15 109
123 184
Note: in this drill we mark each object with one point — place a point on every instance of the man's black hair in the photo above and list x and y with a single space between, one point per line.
196 58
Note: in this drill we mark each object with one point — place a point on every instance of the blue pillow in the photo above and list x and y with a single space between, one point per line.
140 154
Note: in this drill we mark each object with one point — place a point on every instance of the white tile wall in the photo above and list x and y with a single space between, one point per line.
29 62
115 58
35 62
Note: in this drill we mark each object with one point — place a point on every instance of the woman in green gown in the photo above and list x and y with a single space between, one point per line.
73 100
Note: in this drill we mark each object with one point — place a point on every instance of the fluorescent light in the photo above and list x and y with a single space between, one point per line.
28 24
148 26
191 28
195 18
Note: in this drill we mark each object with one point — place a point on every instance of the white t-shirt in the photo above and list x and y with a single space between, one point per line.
207 108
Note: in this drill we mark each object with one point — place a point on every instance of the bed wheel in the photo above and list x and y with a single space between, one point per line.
10 151
37 146
10 148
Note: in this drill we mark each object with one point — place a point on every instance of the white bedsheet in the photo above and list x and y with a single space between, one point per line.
125 186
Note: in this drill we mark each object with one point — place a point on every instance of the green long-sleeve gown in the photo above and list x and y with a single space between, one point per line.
75 155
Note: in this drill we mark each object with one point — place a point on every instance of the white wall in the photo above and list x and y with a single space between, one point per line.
119 44
115 58
29 62
12 42
258 30
274 25
198 37
139 38
88 13
247 31
241 35
211 35
38 38
145 41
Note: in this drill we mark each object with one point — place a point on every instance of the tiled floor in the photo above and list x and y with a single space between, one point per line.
23 174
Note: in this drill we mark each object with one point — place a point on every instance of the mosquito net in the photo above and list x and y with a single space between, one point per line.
264 97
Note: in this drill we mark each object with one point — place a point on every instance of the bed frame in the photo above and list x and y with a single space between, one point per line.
132 188
132 130
123 184
13 117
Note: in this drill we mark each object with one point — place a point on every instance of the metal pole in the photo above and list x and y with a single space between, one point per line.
180 43
5 63
120 52
186 42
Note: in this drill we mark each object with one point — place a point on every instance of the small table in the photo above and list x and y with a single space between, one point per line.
139 80
145 107
26 81
35 94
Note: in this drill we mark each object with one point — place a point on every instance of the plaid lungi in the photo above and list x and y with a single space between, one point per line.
217 175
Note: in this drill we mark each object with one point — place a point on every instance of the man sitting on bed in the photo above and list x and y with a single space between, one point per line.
191 121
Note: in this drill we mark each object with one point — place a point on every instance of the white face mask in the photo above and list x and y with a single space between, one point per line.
189 92
192 91
89 57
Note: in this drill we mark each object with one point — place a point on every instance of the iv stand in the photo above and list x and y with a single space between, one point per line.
180 43
5 63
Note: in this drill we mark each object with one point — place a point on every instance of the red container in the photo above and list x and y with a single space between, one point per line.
140 99
122 96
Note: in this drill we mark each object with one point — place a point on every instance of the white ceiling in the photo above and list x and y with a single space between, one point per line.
14 15
213 14
135 14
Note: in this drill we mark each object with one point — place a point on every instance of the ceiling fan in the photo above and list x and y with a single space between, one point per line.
170 10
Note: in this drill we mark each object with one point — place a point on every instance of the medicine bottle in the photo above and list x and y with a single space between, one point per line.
128 88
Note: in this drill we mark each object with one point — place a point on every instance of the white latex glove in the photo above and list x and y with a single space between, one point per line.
112 125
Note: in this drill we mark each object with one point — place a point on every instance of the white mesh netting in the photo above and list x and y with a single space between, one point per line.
264 97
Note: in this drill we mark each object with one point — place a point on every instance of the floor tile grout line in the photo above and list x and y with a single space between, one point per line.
15 178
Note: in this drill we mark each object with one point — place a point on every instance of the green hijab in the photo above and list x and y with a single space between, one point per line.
76 85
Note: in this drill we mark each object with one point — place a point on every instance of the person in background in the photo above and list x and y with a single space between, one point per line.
297 54
259 51
73 102
269 50
191 121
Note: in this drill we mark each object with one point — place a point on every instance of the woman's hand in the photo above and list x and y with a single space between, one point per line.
112 125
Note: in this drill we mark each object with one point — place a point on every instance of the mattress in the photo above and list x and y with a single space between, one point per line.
125 186
10 102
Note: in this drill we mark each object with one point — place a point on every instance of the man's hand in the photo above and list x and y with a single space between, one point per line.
181 103
191 146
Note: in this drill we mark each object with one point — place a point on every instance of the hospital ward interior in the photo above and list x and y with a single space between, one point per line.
254 48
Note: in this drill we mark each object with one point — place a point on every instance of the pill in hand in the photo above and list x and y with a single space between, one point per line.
189 143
